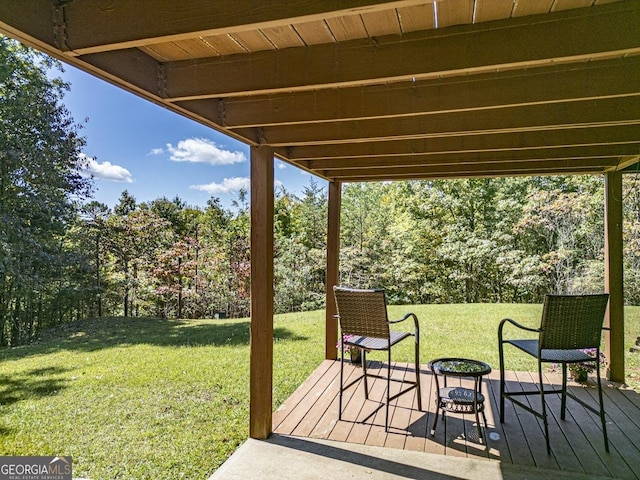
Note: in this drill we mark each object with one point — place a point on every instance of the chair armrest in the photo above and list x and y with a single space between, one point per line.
401 319
415 322
504 321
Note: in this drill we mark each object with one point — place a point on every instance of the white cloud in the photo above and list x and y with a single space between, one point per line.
106 171
281 165
228 185
201 150
156 151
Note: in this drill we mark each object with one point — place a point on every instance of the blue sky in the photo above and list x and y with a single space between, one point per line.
138 146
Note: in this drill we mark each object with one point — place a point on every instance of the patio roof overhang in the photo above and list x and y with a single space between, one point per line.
363 90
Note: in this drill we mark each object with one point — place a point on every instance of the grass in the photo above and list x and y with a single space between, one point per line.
152 398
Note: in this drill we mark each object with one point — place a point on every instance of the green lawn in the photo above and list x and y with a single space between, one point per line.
150 398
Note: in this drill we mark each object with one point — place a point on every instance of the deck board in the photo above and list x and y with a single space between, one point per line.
576 442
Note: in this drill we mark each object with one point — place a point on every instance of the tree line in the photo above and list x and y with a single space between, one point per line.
65 257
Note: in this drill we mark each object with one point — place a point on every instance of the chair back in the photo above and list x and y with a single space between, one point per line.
362 312
572 321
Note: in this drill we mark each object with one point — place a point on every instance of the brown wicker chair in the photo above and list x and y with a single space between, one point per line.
364 324
570 323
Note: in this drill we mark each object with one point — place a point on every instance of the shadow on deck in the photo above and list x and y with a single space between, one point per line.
310 442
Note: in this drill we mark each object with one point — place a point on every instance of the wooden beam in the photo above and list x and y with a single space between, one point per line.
457 158
628 160
94 27
593 113
470 49
32 23
261 363
333 255
613 276
130 68
564 83
563 167
480 174
613 135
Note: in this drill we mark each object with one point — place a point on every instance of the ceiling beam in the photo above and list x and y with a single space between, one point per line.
469 49
131 68
581 136
450 175
561 167
93 26
563 83
628 161
454 158
592 113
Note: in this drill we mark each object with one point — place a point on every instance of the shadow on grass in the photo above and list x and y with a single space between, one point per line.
99 333
36 383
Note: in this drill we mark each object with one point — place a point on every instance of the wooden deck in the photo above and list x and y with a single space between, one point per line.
577 444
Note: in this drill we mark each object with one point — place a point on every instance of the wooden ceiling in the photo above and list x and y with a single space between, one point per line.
357 90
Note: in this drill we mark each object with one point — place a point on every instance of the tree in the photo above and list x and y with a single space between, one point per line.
95 215
40 177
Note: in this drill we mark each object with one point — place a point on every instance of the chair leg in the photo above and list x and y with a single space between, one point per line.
602 418
386 415
563 402
544 409
341 383
435 420
478 390
480 437
419 393
501 352
364 373
484 417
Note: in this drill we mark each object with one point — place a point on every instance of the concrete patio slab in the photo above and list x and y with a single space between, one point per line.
296 458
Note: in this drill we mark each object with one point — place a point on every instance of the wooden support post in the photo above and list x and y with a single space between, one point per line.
261 371
613 274
333 253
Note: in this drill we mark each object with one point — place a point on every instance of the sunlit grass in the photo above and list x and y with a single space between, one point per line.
152 398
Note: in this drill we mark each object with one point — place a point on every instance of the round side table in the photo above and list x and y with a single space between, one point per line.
459 399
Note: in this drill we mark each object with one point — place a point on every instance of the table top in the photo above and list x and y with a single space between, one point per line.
461 367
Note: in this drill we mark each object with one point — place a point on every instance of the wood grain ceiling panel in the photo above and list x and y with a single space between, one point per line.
488 10
382 23
253 41
559 5
347 28
224 44
283 37
454 12
166 52
421 17
200 48
531 7
314 33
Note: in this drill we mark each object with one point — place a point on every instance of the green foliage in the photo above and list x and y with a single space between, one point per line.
40 160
